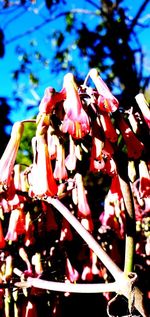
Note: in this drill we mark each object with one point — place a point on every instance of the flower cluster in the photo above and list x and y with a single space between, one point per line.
80 131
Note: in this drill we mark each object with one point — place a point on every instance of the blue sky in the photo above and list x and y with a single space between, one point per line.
26 20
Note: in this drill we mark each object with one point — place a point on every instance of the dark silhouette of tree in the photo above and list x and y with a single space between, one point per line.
4 109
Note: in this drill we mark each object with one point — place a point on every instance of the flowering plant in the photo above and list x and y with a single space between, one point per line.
46 208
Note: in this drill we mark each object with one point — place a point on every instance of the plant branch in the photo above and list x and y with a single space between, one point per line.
122 279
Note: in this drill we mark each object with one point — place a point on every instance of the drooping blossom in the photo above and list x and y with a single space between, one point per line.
50 98
25 258
71 273
110 167
4 205
144 185
106 101
29 238
66 233
36 261
134 146
42 122
17 177
133 121
94 267
76 121
71 159
87 274
109 130
144 107
16 224
83 206
60 171
114 210
52 140
8 268
9 156
96 159
42 182
84 212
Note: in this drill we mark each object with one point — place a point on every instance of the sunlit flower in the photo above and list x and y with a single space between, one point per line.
16 225
109 130
144 185
114 210
9 156
36 261
83 206
52 140
106 101
96 159
134 146
17 178
144 107
70 160
66 233
84 212
71 273
24 257
8 268
29 238
76 121
60 172
87 274
133 121
42 182
50 98
110 167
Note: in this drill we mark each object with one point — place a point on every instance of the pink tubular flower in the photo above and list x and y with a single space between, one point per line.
52 140
60 172
96 160
71 159
87 274
144 107
108 127
29 238
144 186
110 167
76 120
83 206
71 273
66 233
9 156
51 97
114 212
16 225
84 212
106 101
42 180
134 146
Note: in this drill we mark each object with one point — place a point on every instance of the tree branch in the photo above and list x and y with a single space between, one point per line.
141 9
